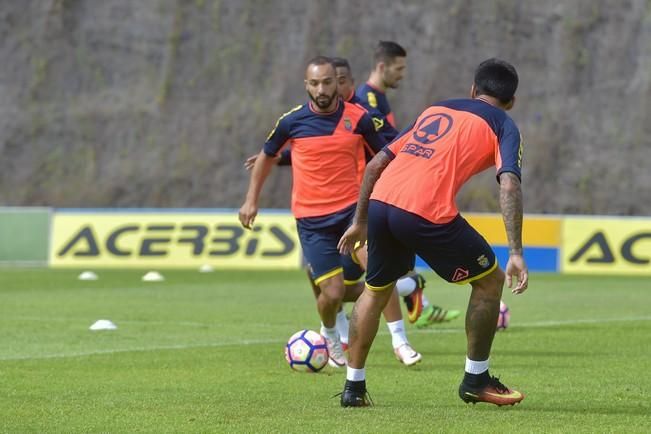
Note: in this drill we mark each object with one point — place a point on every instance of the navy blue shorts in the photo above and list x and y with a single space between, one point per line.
455 250
319 237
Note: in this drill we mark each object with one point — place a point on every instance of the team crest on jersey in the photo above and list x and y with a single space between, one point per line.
483 261
432 127
348 124
372 101
379 123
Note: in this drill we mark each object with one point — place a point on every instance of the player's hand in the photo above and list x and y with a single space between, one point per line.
247 214
354 234
517 274
250 162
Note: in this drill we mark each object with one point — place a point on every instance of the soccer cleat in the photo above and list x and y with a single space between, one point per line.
337 357
494 393
414 301
355 395
407 355
434 314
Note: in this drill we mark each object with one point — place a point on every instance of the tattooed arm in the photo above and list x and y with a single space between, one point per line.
357 231
372 173
511 204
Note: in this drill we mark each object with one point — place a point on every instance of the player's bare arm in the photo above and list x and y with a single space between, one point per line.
250 162
259 174
357 231
512 210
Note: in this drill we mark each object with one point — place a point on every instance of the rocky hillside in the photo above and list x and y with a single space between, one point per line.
158 102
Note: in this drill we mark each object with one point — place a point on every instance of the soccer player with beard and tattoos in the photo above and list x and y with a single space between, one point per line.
407 205
328 138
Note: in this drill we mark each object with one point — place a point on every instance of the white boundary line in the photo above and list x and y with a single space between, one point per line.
126 321
142 349
246 342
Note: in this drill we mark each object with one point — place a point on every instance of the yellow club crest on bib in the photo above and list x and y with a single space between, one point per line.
372 101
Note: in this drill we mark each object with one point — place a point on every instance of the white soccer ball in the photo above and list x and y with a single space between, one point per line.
504 317
306 351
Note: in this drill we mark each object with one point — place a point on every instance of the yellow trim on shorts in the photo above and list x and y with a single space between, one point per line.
479 276
380 288
353 255
351 282
328 275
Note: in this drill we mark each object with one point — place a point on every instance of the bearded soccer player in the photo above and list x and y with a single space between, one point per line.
407 205
327 137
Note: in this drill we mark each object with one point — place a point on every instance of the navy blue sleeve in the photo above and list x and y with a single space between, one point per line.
390 154
510 143
285 157
277 137
366 128
399 135
389 132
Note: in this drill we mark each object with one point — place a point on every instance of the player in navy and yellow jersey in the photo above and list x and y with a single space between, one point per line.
407 205
327 137
390 64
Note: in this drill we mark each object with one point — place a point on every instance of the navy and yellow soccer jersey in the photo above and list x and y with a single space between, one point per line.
369 153
326 152
376 103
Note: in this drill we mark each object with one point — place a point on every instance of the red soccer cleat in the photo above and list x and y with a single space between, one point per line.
414 301
493 393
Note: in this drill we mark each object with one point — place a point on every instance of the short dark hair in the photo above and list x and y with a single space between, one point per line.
387 51
340 62
321 60
496 78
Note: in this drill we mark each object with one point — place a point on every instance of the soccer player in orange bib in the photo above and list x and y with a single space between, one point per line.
407 205
328 137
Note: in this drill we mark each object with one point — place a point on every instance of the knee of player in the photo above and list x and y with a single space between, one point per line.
333 291
499 277
492 283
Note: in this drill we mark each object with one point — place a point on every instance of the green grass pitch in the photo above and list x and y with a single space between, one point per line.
204 353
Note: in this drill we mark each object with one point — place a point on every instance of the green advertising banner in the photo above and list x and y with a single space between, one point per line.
24 235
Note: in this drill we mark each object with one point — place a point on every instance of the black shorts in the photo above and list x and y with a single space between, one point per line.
319 237
454 250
